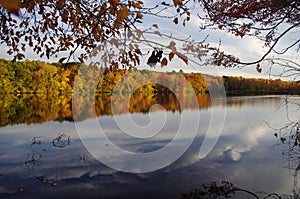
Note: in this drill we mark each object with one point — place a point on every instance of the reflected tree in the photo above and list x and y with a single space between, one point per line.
289 136
224 190
35 153
32 158
36 141
61 141
37 149
83 157
46 180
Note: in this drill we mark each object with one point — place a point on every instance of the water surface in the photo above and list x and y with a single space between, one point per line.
48 160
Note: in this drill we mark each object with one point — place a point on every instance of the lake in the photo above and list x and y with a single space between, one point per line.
56 157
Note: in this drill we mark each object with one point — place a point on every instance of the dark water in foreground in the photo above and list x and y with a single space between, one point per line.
48 160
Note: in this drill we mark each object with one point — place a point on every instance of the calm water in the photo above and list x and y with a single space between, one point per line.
48 160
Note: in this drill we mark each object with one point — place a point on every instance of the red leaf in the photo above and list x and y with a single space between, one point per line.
164 62
171 55
175 20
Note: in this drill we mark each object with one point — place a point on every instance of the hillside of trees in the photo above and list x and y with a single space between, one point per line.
42 78
43 92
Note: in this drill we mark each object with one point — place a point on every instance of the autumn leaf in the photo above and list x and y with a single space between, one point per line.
171 55
175 20
177 2
258 68
103 8
139 15
65 16
60 4
138 51
298 138
138 5
139 33
155 26
12 6
62 59
283 140
121 15
129 33
20 56
164 62
97 33
157 32
172 47
182 57
114 42
295 143
165 4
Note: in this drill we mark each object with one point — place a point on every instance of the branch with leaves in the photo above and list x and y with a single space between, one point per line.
110 29
267 20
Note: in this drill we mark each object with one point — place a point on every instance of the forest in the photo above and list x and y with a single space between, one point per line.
43 92
36 77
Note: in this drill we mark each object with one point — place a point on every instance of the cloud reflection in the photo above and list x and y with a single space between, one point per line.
244 155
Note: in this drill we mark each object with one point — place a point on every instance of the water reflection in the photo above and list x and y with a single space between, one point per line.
31 166
31 109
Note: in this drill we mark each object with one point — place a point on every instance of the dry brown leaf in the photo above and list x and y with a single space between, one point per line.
139 15
138 5
139 33
177 2
164 62
138 51
157 32
175 20
171 56
182 57
155 26
12 6
283 140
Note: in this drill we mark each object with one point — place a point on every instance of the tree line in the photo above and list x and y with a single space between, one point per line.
43 92
241 85
42 78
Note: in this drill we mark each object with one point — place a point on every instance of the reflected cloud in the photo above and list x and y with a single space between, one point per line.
243 140
243 155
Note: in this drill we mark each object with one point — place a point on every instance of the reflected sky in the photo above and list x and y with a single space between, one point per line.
246 155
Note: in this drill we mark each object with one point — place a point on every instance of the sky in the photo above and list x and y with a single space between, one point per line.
247 49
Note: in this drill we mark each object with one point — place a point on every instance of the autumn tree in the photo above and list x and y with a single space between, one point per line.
270 21
83 29
110 29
